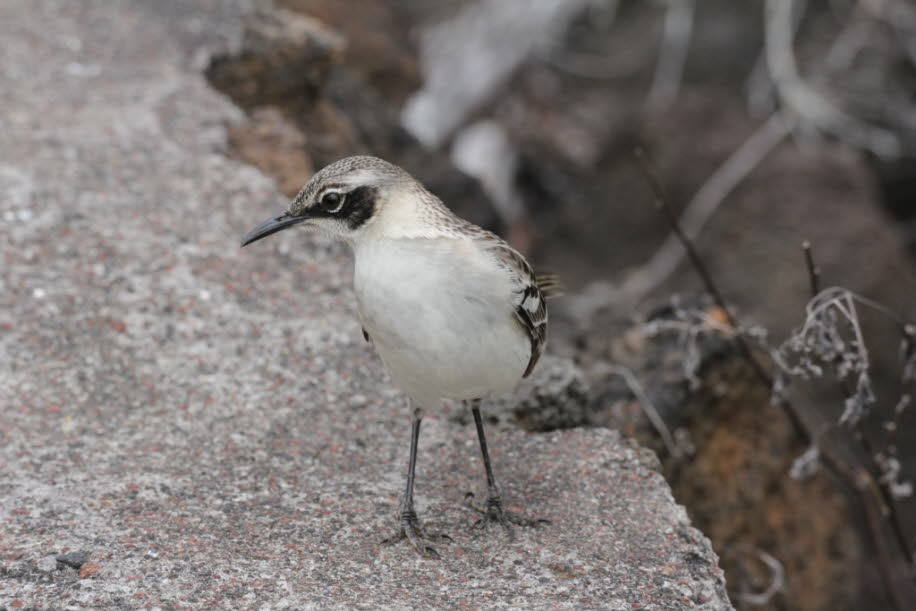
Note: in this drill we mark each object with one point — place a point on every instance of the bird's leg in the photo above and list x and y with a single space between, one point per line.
493 510
408 524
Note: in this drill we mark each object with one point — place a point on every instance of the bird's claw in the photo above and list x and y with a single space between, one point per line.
409 528
493 513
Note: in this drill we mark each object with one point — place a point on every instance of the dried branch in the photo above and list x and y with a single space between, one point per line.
761 100
896 13
856 479
851 40
811 107
831 337
821 338
814 272
703 205
885 560
661 202
672 53
892 427
777 580
647 406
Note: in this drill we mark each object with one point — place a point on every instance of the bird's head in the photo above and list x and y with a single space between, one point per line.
341 200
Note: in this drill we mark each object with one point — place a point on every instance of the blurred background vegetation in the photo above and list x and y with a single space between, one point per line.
768 123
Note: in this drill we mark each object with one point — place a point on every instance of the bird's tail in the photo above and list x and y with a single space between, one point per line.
550 285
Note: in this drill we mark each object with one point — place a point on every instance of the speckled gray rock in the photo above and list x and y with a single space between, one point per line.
183 413
48 564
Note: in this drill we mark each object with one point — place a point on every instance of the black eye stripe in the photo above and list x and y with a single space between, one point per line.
354 207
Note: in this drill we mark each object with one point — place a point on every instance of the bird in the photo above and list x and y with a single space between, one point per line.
452 310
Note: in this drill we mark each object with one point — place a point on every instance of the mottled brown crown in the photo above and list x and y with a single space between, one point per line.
348 172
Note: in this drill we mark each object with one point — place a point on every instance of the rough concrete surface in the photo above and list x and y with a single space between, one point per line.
185 424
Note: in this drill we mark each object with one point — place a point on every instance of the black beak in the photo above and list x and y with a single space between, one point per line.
270 226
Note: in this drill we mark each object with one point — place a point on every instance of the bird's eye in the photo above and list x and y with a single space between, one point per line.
332 201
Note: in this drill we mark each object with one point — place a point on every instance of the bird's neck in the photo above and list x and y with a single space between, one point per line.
410 214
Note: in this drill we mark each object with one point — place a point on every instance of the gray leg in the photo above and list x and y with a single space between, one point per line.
493 510
408 524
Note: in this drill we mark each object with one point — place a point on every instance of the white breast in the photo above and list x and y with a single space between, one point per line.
439 313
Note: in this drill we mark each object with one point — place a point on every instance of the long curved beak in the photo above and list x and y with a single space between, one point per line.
271 226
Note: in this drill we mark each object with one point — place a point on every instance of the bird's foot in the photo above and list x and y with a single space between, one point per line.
409 528
493 513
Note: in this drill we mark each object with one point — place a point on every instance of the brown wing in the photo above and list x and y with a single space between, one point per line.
528 299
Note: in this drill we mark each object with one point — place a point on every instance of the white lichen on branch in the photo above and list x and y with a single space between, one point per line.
831 339
830 344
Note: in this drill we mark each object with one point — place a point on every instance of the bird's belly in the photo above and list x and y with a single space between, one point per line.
438 338
465 369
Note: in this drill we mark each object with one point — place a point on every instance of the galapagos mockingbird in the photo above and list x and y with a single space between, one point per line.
453 311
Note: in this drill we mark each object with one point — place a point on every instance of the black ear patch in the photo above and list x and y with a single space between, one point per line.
359 207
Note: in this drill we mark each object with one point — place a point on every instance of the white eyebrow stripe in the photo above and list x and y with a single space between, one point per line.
331 189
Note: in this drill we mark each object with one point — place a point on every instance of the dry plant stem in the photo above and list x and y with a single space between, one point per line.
814 272
761 99
672 54
874 305
861 482
894 12
851 40
777 581
811 107
647 406
858 480
884 500
661 202
705 203
888 506
891 438
885 559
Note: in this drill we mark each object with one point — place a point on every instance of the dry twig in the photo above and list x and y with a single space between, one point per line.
776 582
661 202
648 407
811 107
672 53
857 478
703 205
820 341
